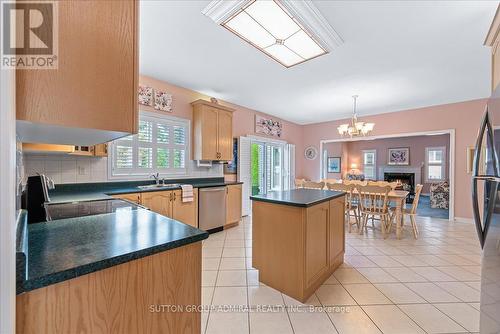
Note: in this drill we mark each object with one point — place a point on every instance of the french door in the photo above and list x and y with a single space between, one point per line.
268 167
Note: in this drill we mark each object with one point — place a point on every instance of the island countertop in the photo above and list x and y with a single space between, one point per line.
298 197
64 249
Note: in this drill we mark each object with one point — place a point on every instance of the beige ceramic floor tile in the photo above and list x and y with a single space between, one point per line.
459 273
398 293
366 294
232 278
208 277
312 301
227 323
306 322
334 295
270 323
230 296
461 290
233 252
206 295
408 260
377 275
232 263
405 275
264 295
433 274
466 315
253 277
211 252
384 261
349 276
432 293
431 319
352 320
359 261
210 263
391 320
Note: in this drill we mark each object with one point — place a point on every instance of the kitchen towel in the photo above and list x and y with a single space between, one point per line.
187 193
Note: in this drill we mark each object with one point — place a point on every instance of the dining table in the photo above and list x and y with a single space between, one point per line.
398 197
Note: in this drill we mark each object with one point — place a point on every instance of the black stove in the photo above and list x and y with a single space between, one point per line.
87 208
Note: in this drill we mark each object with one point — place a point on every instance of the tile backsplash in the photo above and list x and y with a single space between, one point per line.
80 169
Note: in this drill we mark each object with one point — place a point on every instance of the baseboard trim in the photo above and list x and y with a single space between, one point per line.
464 220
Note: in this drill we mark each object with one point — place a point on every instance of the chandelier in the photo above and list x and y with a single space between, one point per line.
355 128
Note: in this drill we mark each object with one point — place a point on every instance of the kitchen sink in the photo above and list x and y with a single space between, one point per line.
160 186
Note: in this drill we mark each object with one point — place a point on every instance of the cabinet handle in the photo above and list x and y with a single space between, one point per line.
175 196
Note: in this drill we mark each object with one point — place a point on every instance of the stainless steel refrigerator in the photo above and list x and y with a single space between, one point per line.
486 209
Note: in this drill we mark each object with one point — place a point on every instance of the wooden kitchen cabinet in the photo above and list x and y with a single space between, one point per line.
134 197
158 201
336 230
95 84
185 212
233 204
317 242
212 131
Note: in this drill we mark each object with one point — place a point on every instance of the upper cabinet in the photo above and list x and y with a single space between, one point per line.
212 131
493 40
91 97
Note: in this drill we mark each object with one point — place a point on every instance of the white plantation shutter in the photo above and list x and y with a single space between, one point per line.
244 175
291 167
161 145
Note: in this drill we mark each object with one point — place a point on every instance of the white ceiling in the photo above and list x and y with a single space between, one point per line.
396 56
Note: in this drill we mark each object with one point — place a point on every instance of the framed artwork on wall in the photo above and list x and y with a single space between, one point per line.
145 95
334 165
163 101
268 126
399 156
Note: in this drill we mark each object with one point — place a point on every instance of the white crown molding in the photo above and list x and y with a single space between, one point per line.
220 10
309 16
305 12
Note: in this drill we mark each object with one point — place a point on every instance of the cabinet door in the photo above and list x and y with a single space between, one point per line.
158 201
186 213
317 218
225 136
337 236
95 84
233 204
209 133
135 197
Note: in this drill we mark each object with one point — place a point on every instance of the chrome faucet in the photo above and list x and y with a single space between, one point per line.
156 177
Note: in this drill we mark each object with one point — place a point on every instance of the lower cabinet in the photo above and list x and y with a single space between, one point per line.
158 201
167 203
233 203
317 240
186 212
336 230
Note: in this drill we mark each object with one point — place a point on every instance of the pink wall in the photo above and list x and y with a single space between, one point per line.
243 118
416 144
464 117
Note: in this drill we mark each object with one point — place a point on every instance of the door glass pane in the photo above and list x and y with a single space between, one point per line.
162 158
257 169
276 169
435 173
145 157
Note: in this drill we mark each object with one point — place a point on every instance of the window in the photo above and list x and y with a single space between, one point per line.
435 161
161 145
370 164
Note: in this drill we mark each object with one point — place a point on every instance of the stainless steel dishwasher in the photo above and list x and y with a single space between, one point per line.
212 208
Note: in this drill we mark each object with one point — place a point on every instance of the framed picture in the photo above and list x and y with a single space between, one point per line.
334 165
163 101
145 95
399 156
268 126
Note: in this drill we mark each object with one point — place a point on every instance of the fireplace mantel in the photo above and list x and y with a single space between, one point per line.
400 169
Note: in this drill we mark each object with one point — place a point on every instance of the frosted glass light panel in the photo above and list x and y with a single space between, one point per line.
266 25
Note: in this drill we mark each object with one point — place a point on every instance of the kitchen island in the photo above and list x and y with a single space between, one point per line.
298 239
131 271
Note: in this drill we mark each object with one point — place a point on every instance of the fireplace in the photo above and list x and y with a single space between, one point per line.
407 181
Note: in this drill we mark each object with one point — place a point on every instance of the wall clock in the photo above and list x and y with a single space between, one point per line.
311 153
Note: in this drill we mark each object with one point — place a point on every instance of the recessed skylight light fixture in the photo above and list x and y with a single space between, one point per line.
290 32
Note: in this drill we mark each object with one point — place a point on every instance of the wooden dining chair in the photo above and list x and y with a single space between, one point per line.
299 183
313 185
355 182
373 203
393 185
411 212
351 205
